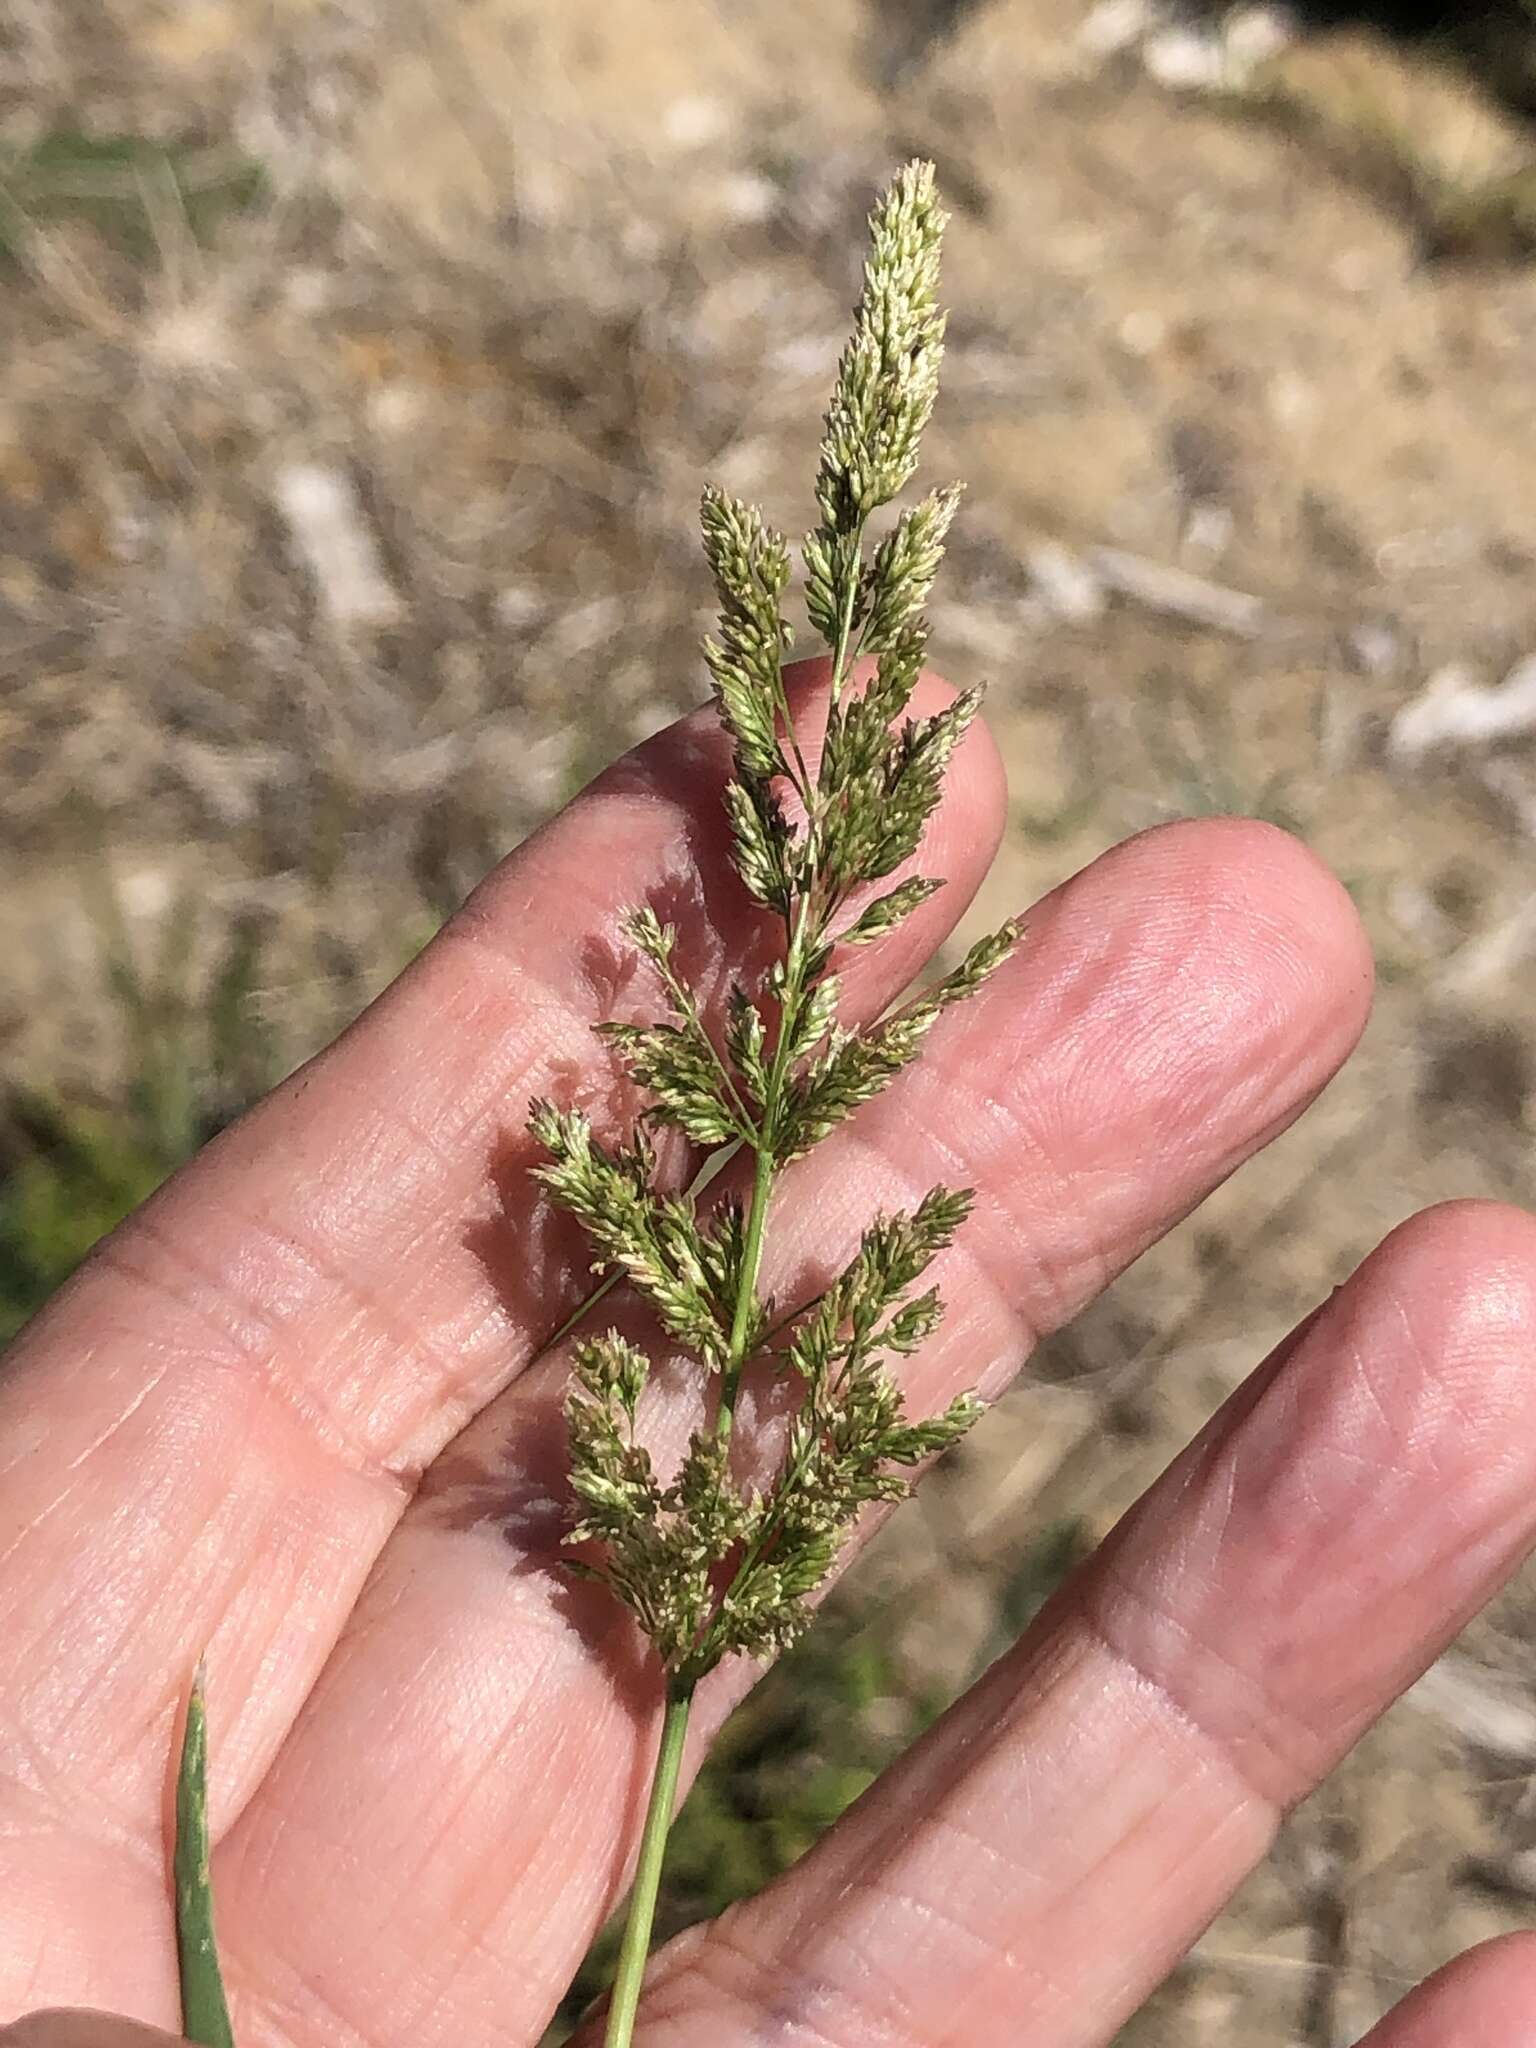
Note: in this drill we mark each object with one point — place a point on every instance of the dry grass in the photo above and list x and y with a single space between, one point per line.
347 524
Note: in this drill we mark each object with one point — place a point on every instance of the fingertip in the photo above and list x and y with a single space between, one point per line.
1465 1271
1484 1997
1222 958
1295 921
1420 1367
1381 1466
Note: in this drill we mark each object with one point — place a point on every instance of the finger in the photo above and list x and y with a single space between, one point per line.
1041 1860
207 1438
77 2029
1485 1999
1170 1008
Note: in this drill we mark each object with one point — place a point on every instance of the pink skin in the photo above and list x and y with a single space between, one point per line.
287 1414
1486 1999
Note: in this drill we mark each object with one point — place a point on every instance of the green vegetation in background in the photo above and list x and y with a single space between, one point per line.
124 186
195 1054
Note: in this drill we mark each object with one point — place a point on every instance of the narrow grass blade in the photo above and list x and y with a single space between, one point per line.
204 2012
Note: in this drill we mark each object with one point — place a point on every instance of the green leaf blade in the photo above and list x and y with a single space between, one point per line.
204 2008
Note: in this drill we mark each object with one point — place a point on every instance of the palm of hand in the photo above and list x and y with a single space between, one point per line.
300 1410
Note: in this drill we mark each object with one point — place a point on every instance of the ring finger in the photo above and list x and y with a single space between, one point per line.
1038 1863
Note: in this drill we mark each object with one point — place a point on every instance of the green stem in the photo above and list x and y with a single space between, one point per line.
582 1310
746 1289
802 778
845 622
658 1816
762 1181
653 1848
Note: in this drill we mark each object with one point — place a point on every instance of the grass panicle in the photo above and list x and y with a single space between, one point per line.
710 1564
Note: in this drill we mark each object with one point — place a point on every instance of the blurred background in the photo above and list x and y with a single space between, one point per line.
360 363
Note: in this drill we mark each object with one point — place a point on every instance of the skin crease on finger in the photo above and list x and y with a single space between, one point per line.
1486 1999
208 1435
1031 1871
1171 1008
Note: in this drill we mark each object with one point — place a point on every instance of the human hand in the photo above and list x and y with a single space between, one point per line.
300 1410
